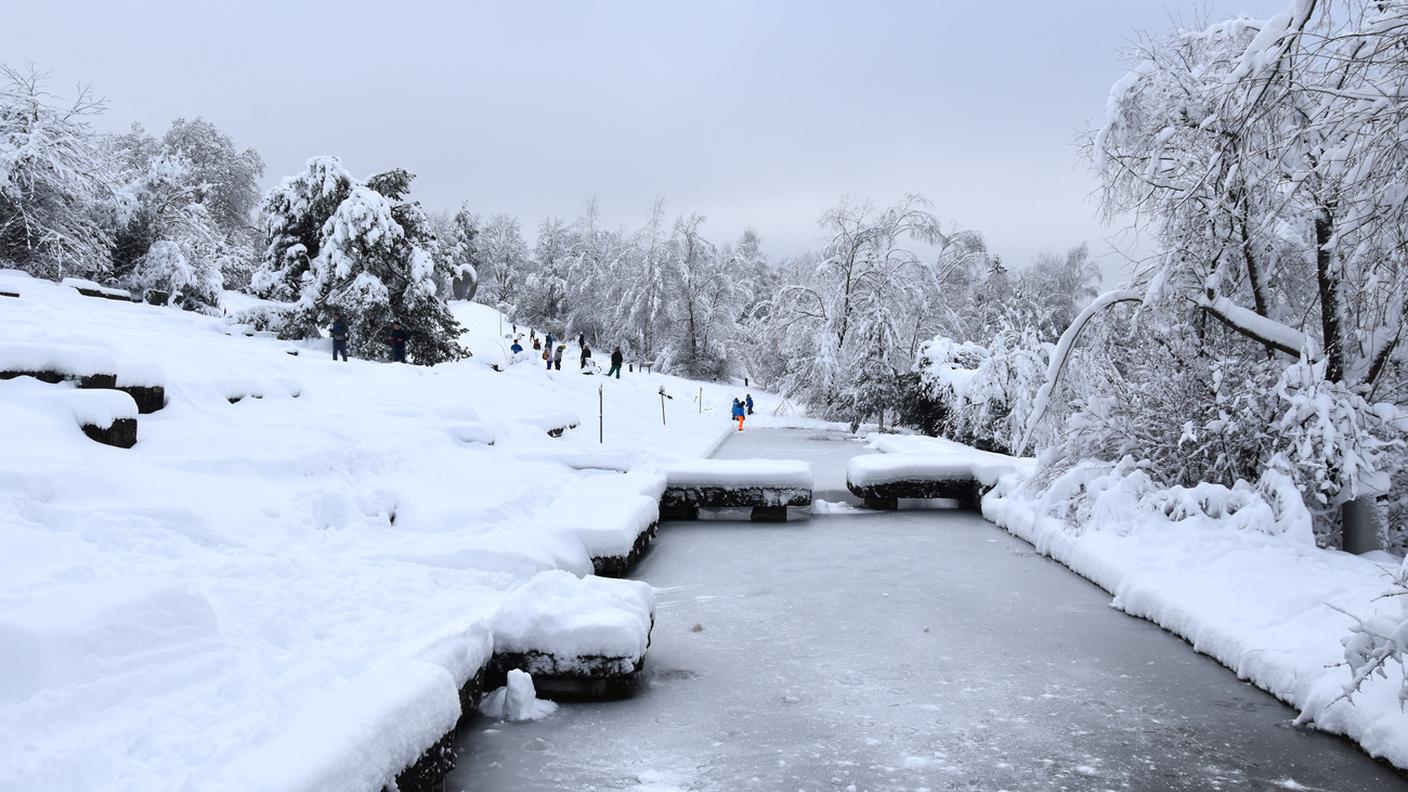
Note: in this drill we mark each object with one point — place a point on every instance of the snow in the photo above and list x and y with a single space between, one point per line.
1243 583
308 576
98 408
87 285
605 513
870 470
777 473
68 359
569 618
516 701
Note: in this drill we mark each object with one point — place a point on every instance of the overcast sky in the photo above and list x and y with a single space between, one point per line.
752 113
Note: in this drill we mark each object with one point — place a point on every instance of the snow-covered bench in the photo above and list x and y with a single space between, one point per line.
882 479
767 486
580 638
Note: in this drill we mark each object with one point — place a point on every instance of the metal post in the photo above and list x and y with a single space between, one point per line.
701 401
600 414
662 406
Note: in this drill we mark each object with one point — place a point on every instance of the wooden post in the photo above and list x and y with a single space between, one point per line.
701 401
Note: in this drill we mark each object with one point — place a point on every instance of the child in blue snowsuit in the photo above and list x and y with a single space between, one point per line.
738 413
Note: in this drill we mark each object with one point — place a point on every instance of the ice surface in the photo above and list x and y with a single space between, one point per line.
943 653
780 473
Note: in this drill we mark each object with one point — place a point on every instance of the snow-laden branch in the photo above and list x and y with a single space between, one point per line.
1062 353
1267 331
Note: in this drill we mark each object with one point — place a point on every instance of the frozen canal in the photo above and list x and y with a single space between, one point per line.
909 651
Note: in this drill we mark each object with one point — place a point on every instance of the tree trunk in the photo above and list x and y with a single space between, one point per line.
1359 528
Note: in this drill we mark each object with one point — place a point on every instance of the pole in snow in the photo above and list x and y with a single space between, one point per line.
701 401
663 397
600 414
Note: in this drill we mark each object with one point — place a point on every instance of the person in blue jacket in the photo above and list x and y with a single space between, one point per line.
738 413
748 402
339 336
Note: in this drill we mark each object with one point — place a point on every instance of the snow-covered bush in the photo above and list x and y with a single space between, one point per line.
1378 646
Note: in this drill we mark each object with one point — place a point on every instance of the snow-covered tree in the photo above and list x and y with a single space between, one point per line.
503 257
370 258
55 199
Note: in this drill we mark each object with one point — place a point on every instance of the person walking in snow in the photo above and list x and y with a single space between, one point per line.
398 340
537 345
748 402
738 413
586 356
557 356
516 348
616 360
339 336
582 340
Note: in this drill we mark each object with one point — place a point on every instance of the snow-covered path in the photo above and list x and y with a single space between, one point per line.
903 652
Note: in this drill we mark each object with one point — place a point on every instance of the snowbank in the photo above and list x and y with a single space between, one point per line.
569 619
1243 583
727 473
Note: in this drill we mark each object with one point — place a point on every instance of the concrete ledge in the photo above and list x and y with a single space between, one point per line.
767 503
586 678
618 565
122 433
429 772
968 492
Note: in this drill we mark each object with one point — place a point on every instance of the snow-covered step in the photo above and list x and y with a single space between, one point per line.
86 366
882 479
579 638
767 486
553 422
145 384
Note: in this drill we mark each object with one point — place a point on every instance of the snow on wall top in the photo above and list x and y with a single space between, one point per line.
569 617
790 473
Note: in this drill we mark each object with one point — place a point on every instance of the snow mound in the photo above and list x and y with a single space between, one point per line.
474 433
516 701
68 360
99 407
734 473
568 618
606 514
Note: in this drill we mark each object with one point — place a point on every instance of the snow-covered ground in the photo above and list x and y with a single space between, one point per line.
307 574
1257 596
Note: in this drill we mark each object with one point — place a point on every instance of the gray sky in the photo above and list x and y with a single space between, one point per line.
751 113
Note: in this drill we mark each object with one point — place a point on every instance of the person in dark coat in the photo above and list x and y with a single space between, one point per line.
616 360
586 355
339 336
557 356
738 413
748 402
582 340
516 348
398 340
